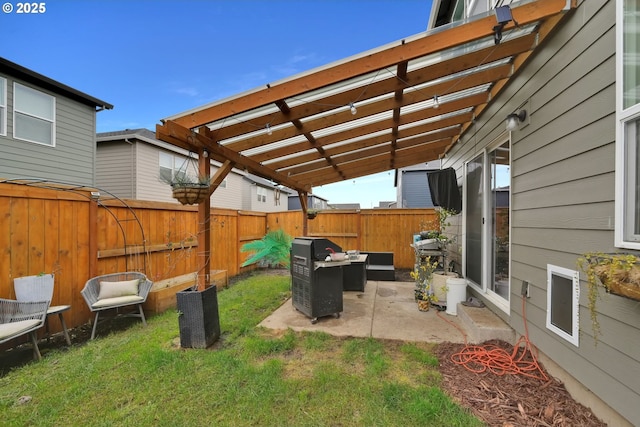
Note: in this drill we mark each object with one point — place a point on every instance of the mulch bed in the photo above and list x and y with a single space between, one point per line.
511 399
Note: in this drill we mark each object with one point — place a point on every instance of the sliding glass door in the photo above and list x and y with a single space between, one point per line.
499 164
487 219
474 217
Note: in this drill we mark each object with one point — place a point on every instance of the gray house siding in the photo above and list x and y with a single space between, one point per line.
562 189
415 190
114 170
70 160
229 197
146 174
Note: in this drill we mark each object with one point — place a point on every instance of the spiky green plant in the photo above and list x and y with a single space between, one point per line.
272 249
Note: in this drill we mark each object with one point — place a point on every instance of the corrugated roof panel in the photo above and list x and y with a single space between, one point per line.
343 127
273 146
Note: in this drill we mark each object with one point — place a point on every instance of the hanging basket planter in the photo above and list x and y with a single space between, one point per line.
190 194
618 274
620 279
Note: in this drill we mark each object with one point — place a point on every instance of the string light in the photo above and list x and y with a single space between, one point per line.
436 102
353 108
269 132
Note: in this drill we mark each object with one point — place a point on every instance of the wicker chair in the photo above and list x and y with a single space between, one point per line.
40 288
18 318
117 291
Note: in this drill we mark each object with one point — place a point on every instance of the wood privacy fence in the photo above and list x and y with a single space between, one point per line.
67 233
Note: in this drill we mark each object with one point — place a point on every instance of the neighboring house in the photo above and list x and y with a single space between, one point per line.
47 129
264 196
572 169
412 187
133 164
313 202
350 206
385 205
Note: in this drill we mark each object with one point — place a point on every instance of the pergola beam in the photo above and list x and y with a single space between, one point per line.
171 132
428 44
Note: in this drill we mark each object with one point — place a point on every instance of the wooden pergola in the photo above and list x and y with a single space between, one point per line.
405 103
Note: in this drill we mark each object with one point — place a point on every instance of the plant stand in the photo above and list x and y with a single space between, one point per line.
198 320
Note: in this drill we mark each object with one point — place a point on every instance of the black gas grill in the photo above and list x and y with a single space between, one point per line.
316 283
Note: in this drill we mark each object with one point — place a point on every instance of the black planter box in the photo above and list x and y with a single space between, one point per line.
199 321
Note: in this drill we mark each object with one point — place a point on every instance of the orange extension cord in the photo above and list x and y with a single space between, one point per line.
522 361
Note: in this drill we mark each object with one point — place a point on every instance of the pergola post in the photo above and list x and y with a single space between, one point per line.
304 197
204 227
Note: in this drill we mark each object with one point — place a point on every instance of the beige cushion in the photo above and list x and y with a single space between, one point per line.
117 301
118 289
15 328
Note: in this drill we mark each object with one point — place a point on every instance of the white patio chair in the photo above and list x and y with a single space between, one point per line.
19 318
116 291
40 288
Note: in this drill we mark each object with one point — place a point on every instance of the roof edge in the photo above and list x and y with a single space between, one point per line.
45 82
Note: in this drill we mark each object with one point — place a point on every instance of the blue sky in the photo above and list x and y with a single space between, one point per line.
154 59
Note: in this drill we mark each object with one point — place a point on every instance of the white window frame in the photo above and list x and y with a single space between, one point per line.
179 165
626 167
3 106
17 112
574 277
262 194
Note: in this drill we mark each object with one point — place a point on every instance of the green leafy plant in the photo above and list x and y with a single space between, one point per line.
186 180
436 228
273 249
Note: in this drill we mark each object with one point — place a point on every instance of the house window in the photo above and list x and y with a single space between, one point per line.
262 194
3 107
627 224
563 295
33 115
171 167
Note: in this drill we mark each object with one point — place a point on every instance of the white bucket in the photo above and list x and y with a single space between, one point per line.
456 292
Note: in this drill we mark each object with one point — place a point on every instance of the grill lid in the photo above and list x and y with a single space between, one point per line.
314 247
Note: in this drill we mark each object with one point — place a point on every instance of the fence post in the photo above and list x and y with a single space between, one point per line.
93 237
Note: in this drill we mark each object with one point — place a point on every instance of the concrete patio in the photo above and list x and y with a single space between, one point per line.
387 310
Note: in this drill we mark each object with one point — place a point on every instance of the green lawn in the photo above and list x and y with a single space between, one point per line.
141 377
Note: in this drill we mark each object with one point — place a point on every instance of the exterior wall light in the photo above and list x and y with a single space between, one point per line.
514 120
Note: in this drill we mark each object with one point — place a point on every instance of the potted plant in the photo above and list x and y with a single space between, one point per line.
441 240
423 276
190 190
618 274
272 250
312 213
